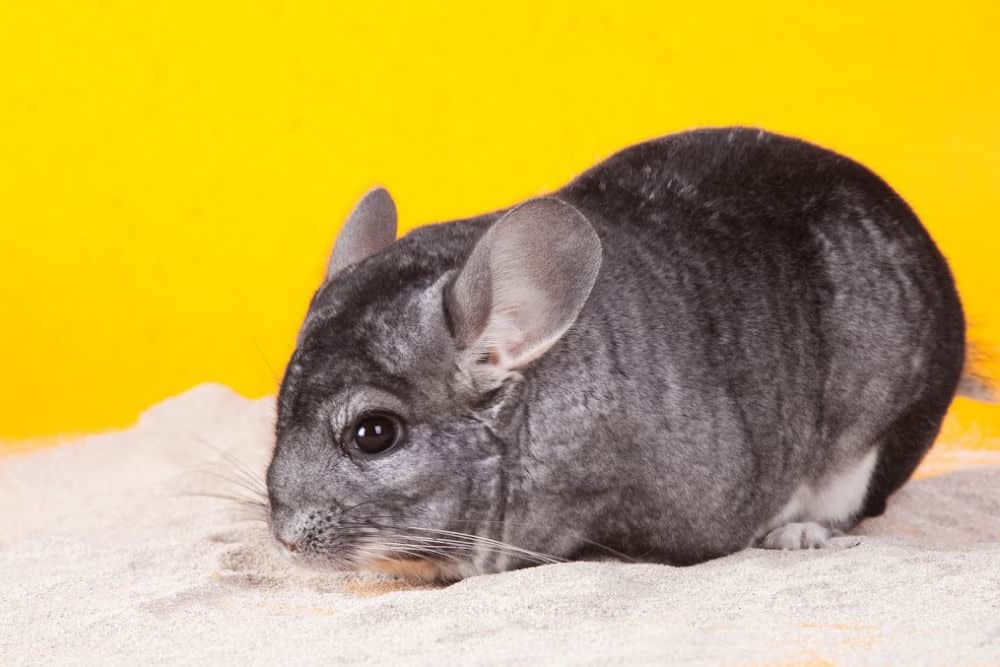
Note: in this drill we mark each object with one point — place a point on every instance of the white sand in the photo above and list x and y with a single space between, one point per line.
102 563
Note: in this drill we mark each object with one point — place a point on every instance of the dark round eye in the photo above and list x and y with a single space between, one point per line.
374 433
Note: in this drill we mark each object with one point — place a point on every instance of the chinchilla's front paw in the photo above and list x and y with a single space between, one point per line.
794 536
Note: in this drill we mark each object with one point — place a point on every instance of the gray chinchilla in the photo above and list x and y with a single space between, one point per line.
718 339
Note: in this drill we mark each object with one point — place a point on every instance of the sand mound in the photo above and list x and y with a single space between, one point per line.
102 561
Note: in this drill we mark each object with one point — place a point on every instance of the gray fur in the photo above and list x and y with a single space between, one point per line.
766 313
370 228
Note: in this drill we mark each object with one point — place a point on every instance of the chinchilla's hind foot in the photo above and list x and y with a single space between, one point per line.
791 536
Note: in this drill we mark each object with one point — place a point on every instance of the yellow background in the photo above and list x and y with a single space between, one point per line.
173 173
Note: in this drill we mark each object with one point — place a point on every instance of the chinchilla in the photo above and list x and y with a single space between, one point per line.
718 339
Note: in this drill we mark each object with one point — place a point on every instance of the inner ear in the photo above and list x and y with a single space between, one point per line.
370 228
523 285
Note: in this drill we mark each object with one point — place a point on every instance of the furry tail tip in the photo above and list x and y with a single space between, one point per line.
977 388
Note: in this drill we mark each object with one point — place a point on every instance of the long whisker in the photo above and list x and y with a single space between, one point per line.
456 545
249 519
252 478
395 549
489 541
263 357
603 547
247 502
423 543
416 550
471 543
613 552
254 493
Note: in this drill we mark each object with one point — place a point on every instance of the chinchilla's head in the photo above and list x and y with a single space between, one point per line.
399 405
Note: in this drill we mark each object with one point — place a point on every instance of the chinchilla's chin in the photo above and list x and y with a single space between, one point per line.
416 570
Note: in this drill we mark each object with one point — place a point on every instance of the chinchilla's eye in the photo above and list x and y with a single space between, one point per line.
376 432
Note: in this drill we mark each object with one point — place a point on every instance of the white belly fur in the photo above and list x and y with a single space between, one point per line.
833 501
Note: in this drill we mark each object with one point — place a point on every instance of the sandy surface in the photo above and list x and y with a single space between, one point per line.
103 561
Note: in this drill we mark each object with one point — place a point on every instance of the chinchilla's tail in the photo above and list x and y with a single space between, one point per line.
974 384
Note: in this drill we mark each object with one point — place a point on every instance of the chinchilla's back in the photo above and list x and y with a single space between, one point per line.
767 311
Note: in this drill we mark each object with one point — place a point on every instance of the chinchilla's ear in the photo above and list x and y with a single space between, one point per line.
522 287
369 229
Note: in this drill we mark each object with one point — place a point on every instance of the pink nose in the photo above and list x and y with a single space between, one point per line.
290 545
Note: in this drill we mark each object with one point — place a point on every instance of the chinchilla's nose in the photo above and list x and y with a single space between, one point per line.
284 528
291 547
